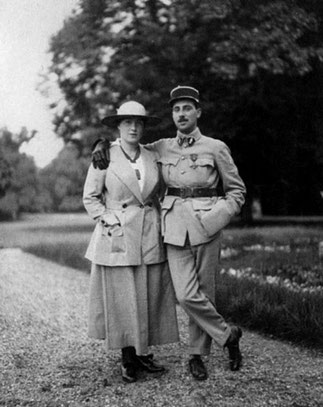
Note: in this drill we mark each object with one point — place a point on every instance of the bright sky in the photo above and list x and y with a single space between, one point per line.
25 29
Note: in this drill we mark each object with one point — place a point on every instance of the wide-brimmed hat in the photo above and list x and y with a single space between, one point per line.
184 92
129 109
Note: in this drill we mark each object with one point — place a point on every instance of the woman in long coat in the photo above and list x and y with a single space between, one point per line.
132 303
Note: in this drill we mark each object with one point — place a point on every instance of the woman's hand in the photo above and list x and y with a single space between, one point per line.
109 219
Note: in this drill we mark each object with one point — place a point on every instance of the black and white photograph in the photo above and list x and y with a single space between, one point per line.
161 203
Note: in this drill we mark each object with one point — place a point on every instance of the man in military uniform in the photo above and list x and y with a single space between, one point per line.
193 216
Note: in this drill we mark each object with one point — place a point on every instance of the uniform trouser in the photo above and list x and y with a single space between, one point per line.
193 270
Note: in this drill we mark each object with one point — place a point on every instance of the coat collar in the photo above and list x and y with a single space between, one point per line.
196 134
188 139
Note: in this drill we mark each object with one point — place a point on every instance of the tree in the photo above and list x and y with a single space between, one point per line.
234 51
22 182
282 127
133 49
5 173
63 179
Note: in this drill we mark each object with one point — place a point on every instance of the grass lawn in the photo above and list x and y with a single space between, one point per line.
62 238
271 277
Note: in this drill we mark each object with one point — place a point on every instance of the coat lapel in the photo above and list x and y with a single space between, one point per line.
123 170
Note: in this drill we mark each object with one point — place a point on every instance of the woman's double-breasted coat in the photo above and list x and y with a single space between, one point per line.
116 192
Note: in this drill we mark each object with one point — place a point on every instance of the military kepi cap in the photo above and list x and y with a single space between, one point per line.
184 92
128 110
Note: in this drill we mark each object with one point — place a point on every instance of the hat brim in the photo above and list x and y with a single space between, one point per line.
114 120
171 101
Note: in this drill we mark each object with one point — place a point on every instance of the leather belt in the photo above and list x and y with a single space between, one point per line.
192 192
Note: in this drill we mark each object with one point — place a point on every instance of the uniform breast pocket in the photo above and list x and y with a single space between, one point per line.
200 168
167 167
200 163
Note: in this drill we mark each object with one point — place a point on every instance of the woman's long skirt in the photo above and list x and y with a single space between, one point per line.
132 306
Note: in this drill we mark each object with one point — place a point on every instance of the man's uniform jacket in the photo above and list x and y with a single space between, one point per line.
204 164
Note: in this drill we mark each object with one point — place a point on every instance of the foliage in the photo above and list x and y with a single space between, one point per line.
5 173
273 280
142 49
63 179
274 310
19 175
257 64
25 188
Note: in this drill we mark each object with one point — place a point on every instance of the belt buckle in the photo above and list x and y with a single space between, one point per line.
185 193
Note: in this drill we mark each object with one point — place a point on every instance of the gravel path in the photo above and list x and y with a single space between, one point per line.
46 358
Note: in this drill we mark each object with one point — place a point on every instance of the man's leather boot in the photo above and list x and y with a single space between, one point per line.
197 368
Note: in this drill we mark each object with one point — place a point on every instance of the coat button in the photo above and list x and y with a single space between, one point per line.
124 205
